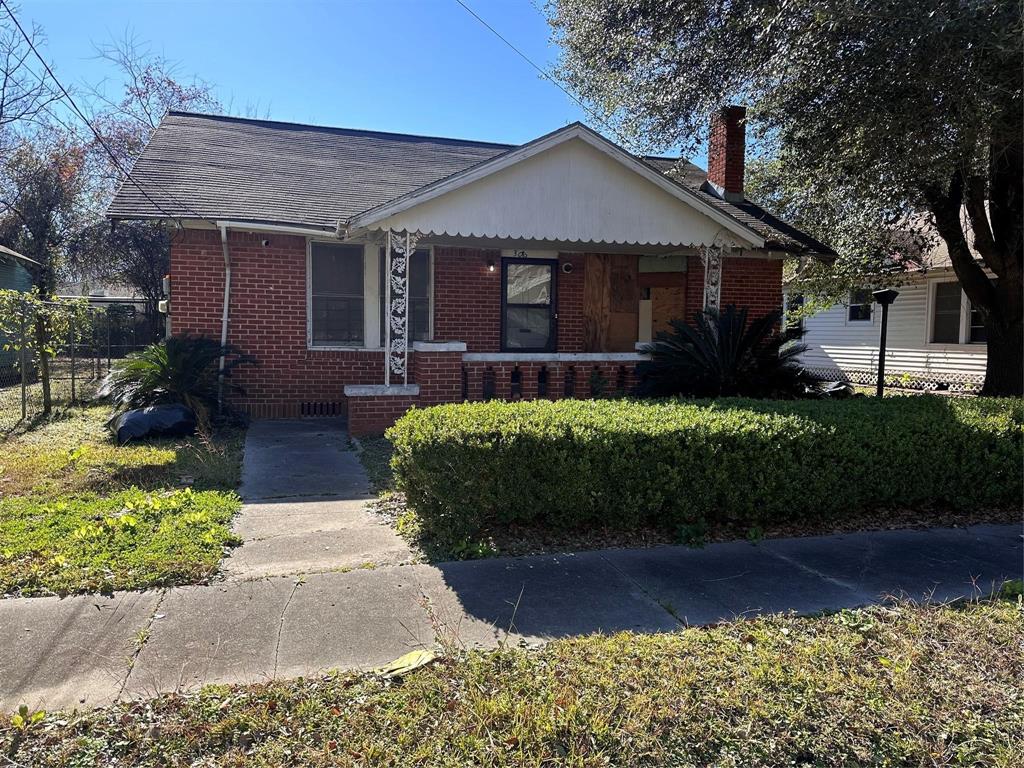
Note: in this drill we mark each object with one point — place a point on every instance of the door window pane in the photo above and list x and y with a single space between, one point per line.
527 327
528 306
336 294
528 284
946 314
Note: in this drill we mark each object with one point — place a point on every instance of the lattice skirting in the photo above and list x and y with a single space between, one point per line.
957 382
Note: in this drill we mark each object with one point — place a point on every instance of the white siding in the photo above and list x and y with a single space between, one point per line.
571 192
835 342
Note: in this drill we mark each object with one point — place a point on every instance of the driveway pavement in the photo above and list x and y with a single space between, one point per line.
290 607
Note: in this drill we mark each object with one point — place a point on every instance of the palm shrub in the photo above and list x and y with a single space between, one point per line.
181 369
722 354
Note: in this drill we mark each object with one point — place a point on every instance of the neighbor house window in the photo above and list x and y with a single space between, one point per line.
946 306
860 306
336 295
419 295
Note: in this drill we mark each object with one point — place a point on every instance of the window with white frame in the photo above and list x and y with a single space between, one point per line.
946 311
859 306
976 332
336 295
952 319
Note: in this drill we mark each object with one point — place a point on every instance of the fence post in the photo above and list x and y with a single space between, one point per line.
108 338
71 332
24 368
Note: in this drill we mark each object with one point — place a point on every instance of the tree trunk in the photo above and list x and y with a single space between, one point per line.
1004 374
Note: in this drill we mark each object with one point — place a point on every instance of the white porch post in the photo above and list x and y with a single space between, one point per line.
712 258
400 247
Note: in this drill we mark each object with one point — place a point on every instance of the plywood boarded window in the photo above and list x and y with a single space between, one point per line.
611 302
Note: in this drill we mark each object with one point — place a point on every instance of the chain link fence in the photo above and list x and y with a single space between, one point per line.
76 345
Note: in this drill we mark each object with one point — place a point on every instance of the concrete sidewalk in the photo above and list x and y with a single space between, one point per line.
91 651
319 583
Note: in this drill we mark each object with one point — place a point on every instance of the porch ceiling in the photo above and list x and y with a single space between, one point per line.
571 187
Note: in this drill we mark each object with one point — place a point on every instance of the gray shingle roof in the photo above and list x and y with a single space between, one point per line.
210 167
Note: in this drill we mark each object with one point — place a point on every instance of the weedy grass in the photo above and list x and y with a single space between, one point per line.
79 513
132 540
75 453
904 685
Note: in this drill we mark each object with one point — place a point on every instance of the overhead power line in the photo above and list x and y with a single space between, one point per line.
547 75
81 115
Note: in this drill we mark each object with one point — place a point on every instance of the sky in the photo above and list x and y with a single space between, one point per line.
412 66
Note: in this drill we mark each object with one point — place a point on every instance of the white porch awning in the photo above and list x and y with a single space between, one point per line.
571 186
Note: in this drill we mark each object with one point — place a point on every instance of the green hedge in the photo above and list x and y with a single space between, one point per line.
624 464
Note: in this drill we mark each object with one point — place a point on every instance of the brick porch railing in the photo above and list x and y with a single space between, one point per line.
444 372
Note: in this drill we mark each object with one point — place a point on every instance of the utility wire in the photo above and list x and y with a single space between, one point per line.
74 106
544 73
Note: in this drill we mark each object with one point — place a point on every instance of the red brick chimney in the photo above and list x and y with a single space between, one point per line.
727 147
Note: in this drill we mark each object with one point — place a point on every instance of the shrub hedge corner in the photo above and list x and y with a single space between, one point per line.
623 464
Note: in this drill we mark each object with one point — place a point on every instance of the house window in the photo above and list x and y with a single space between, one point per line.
419 295
336 295
859 306
946 307
976 333
528 305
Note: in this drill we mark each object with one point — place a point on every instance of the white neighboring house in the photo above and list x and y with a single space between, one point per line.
935 338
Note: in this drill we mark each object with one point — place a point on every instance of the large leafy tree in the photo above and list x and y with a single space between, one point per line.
901 116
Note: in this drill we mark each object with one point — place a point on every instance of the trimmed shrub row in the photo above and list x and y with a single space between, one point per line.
624 464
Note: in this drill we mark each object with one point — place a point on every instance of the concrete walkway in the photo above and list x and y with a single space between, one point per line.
265 621
304 510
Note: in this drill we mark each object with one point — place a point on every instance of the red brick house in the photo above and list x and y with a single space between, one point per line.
368 272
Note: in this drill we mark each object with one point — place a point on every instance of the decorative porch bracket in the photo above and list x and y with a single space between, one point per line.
712 258
400 247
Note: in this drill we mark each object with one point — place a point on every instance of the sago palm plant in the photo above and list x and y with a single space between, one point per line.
181 369
722 354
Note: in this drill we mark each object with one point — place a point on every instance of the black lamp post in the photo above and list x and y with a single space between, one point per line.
884 297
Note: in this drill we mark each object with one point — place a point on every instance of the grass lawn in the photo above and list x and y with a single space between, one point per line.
79 513
886 686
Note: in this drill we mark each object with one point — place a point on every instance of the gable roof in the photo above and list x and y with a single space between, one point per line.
211 167
574 131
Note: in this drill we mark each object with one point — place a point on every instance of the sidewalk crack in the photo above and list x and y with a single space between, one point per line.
812 571
280 626
141 640
651 598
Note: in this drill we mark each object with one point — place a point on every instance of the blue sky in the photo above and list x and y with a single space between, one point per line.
415 66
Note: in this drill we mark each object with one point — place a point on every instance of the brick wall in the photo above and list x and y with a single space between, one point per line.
372 415
570 302
467 297
439 375
752 283
267 321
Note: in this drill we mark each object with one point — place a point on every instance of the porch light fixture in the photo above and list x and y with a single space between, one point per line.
884 298
490 265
